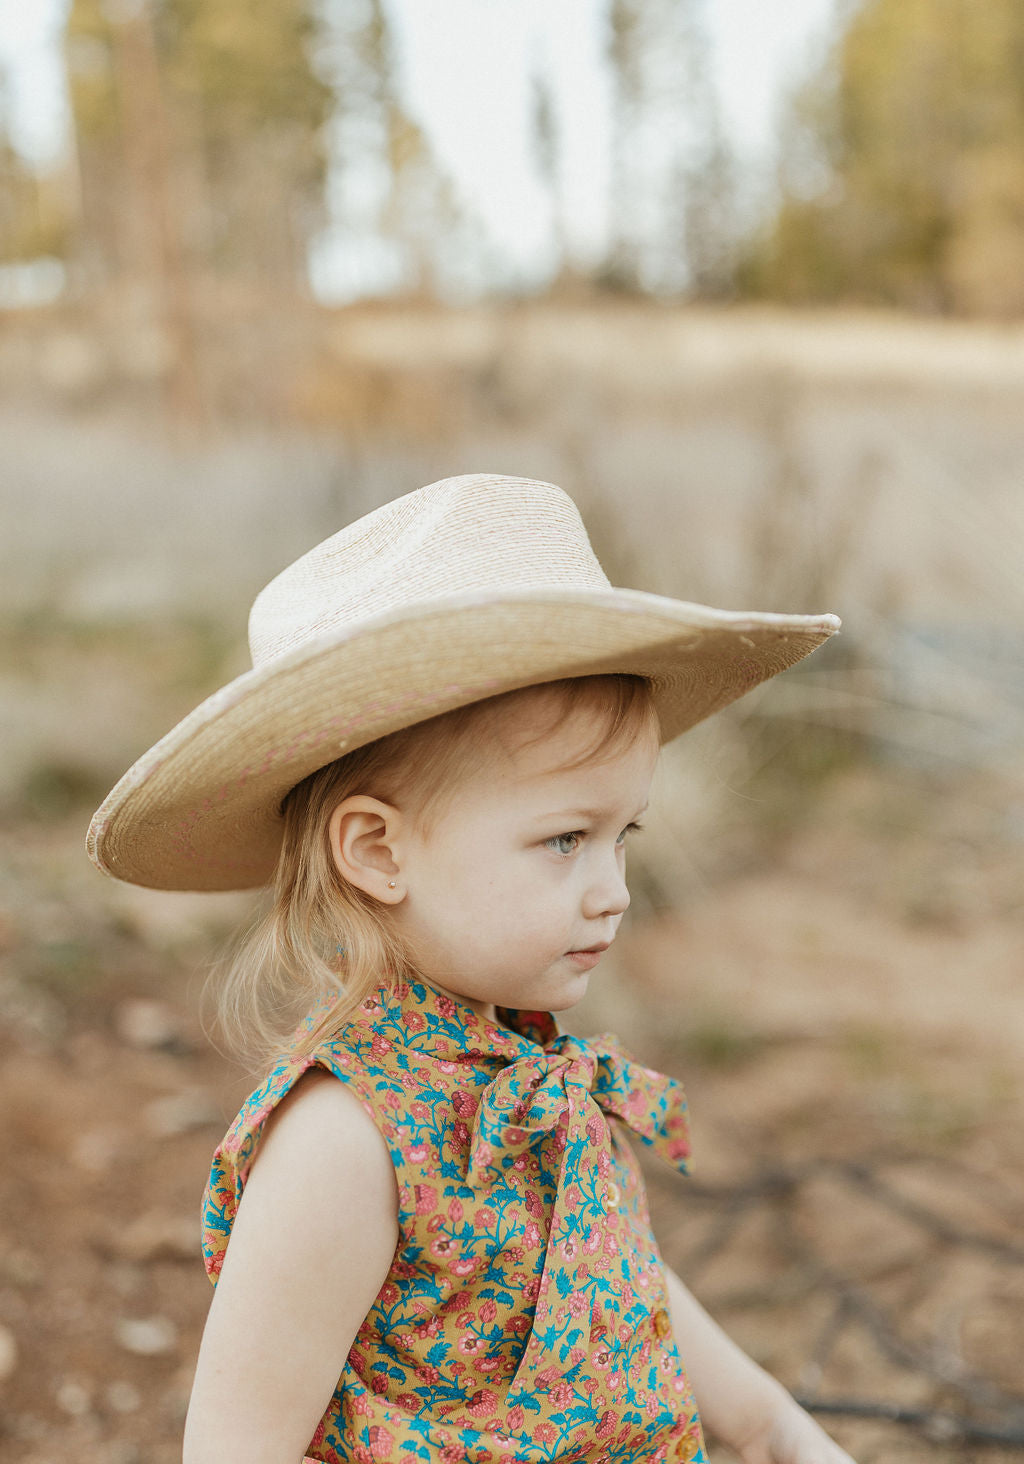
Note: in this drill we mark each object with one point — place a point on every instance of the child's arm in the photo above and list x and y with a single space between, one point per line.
311 1246
738 1401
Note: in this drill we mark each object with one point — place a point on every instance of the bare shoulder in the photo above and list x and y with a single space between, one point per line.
311 1245
320 1137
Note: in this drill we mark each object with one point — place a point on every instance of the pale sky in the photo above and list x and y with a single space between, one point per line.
466 67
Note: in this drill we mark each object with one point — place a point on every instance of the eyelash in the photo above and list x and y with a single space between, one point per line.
580 835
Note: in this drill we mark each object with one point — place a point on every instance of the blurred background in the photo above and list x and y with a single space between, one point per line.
747 281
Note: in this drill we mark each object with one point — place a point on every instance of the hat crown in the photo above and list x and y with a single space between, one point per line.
476 532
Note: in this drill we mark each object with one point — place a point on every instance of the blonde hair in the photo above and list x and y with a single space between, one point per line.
323 945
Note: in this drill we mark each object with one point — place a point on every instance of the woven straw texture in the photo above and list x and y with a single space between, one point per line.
469 587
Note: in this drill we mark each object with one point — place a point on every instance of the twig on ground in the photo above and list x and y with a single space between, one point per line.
865 1179
935 1423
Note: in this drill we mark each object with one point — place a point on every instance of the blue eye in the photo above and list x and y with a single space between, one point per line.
559 842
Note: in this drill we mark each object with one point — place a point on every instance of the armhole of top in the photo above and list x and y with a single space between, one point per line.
234 1156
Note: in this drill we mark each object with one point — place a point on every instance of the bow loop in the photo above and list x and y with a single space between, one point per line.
538 1094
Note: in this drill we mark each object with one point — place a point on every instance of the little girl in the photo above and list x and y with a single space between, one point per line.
439 1241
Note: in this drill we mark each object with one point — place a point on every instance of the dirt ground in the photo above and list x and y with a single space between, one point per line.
826 945
842 1004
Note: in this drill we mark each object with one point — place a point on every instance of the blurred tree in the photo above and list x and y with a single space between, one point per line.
672 179
388 191
199 132
902 177
545 143
33 212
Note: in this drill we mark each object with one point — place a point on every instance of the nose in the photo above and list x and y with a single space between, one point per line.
606 894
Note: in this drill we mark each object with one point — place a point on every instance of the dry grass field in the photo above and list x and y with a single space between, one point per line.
827 939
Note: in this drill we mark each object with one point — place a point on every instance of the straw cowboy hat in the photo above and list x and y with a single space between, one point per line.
469 587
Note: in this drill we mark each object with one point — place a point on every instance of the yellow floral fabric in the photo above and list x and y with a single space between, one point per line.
525 1315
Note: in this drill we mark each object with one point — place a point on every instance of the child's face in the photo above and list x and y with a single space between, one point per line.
522 875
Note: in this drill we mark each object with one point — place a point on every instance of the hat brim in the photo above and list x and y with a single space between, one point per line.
201 809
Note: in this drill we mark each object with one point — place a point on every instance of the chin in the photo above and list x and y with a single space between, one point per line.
573 993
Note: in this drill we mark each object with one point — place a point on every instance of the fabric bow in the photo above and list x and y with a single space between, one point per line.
530 1097
568 1088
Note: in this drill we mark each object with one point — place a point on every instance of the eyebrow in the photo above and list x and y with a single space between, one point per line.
582 815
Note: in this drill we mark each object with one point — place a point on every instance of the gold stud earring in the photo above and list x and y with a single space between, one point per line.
391 884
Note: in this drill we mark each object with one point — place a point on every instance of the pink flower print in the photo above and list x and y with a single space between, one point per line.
460 1134
579 1303
576 1355
569 1248
604 1164
519 1162
489 1364
516 1418
446 1006
471 1345
482 1402
380 1045
518 1326
561 1394
465 1104
601 1358
515 1255
484 1155
678 1149
546 1432
611 1245
531 1235
462 1265
595 1130
448 1067
428 1374
409 1402
420 1111
488 1311
426 1199
415 1022
455 1210
442 1247
573 1196
534 1203
486 1219
417 1152
592 1240
379 1383
452 1454
389 1293
531 1289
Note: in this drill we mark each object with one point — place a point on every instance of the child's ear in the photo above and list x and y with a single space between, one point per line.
364 833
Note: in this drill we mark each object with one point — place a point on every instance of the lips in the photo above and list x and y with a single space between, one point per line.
588 958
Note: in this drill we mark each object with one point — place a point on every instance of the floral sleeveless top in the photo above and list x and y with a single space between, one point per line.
525 1315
